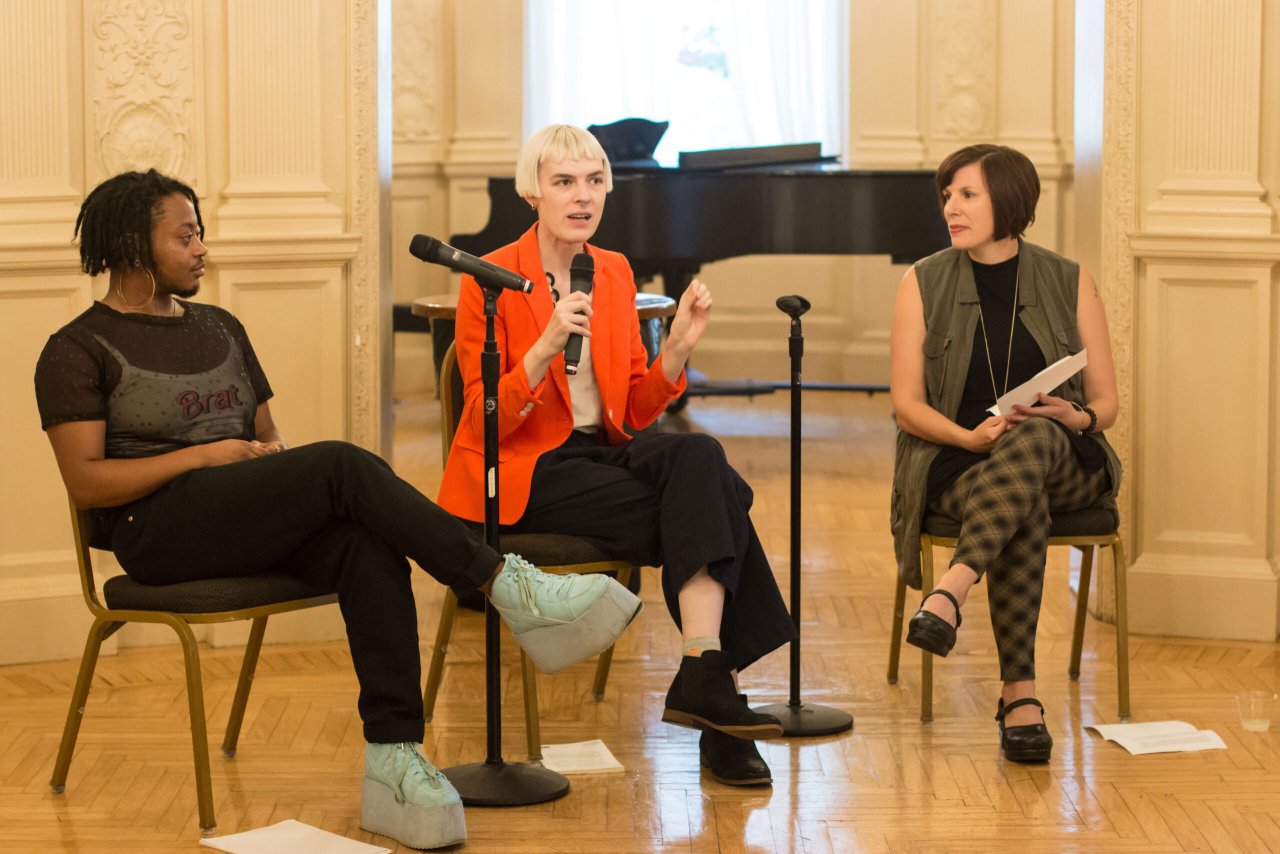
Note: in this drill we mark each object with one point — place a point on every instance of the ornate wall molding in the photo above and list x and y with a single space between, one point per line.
962 51
143 87
369 321
1116 279
418 48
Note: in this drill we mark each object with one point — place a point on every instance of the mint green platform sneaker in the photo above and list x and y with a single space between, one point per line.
407 798
558 620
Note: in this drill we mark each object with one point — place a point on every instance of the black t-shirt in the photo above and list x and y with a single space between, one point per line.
996 285
159 383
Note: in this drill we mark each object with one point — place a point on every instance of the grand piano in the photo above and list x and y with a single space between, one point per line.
669 221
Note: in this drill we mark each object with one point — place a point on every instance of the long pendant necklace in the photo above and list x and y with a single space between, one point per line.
986 345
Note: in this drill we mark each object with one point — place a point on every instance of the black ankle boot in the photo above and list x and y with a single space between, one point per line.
1027 743
703 696
733 761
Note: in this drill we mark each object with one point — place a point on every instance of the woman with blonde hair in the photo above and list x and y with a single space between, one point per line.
569 466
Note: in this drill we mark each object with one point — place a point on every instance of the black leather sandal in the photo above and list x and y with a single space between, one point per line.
929 631
1027 743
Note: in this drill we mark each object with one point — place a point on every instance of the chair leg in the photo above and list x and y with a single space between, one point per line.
926 659
532 728
98 632
605 660
1082 609
435 672
199 734
247 669
895 634
1122 628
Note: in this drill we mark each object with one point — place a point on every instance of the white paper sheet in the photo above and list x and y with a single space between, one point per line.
582 757
1045 381
289 835
1160 737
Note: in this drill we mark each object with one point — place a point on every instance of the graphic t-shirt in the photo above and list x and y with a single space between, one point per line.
159 383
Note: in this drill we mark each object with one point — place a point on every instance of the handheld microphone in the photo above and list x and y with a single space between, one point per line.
491 275
582 272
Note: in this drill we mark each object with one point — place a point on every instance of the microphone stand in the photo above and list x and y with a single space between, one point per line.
800 719
495 783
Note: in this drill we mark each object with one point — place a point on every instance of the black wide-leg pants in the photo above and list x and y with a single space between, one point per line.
670 500
336 516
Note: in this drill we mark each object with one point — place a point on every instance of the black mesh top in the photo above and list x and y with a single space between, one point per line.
159 383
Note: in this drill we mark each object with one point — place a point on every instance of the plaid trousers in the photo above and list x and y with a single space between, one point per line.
1003 504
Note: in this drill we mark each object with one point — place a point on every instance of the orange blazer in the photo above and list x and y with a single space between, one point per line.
534 421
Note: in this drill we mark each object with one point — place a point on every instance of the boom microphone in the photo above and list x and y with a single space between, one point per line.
582 272
491 275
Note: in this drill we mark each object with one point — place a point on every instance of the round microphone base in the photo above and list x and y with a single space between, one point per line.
506 784
807 720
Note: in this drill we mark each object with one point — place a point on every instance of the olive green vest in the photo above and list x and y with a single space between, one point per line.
1047 288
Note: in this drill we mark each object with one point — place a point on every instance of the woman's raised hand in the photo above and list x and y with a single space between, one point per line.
691 319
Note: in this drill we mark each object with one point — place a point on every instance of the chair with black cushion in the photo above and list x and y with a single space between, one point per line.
179 606
1087 530
549 552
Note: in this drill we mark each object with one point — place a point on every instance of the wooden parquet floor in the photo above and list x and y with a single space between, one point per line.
891 785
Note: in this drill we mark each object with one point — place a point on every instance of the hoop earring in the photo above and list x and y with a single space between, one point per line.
120 290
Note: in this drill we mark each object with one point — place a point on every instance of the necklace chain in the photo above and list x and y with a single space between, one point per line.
986 345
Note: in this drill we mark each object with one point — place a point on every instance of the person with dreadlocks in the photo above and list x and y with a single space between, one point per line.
158 412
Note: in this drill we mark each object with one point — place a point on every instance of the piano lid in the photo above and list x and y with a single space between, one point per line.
630 144
756 155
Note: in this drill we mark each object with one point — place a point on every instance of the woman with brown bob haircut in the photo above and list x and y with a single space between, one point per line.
970 323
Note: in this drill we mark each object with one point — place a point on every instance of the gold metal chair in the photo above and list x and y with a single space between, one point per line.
549 552
1087 530
179 606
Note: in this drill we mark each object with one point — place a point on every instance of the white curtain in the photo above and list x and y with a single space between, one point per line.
725 73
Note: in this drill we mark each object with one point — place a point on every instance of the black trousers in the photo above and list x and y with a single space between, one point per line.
336 516
670 500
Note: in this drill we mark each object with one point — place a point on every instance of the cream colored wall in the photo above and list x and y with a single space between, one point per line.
1186 178
269 110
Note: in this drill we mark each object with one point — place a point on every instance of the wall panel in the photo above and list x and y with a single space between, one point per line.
274 112
293 317
39 166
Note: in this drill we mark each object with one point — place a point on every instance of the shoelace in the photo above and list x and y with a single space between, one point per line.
433 774
528 576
